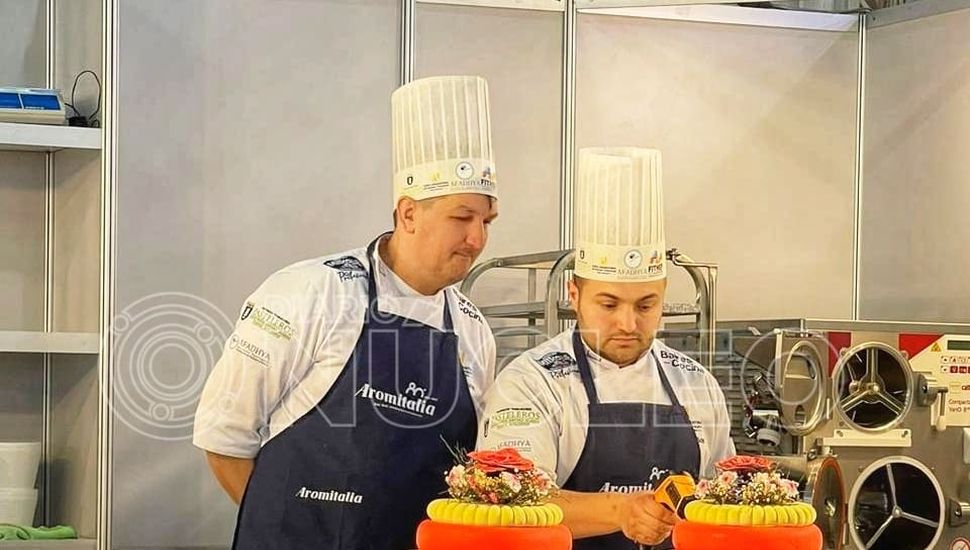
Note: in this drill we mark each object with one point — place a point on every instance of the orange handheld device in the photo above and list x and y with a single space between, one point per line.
675 492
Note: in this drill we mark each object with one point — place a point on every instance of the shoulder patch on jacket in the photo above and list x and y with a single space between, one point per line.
559 364
348 267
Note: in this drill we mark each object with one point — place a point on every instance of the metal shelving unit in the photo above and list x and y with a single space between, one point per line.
47 139
61 334
80 343
545 316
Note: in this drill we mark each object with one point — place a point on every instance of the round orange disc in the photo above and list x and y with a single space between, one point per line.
433 535
689 535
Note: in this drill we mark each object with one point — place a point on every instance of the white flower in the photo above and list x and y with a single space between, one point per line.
511 481
761 478
456 477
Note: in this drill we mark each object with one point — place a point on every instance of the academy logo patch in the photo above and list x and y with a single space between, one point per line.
513 417
271 323
679 361
559 364
469 309
249 349
348 268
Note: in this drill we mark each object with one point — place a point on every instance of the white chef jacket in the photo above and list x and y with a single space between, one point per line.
538 403
294 336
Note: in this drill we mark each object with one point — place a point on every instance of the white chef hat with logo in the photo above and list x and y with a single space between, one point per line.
442 136
618 228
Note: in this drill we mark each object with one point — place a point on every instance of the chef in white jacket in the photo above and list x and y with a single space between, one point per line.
327 412
606 409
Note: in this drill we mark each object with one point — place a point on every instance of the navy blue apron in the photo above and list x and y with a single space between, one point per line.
358 470
630 446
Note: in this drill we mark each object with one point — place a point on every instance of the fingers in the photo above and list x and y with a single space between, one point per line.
649 522
648 535
660 513
646 505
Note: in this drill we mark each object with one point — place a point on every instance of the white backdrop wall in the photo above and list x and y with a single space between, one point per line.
916 198
520 53
252 134
757 128
23 48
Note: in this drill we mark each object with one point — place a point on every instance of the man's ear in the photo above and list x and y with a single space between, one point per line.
573 294
406 212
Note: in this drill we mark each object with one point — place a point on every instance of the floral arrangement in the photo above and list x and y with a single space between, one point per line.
748 480
499 477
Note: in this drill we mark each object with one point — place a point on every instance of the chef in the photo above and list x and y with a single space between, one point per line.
331 411
605 408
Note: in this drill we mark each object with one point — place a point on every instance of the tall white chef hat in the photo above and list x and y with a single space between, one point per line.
618 228
442 138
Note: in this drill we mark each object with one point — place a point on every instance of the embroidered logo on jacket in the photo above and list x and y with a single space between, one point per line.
559 364
513 417
271 323
469 309
679 361
348 268
248 309
248 349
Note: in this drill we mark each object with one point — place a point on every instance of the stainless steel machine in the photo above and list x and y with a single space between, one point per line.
885 404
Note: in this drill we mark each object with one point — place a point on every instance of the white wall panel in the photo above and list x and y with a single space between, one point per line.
915 239
519 52
757 128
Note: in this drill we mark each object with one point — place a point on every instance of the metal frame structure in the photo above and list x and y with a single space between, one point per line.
734 15
109 175
554 311
536 5
48 276
859 169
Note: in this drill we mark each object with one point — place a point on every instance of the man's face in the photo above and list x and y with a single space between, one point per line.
452 232
618 321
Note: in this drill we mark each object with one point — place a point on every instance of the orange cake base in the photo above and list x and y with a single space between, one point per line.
433 535
690 535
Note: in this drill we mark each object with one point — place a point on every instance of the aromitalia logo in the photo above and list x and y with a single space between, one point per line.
414 401
349 497
656 475
610 488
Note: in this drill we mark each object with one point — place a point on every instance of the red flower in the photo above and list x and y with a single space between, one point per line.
742 463
503 459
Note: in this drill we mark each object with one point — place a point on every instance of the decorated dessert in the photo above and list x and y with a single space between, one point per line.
750 504
499 499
